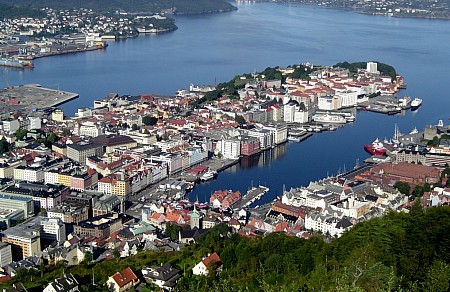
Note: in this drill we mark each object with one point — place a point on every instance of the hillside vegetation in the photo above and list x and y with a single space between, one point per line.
148 6
13 11
399 252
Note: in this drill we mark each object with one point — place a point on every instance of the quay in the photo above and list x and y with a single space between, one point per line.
253 195
32 97
384 104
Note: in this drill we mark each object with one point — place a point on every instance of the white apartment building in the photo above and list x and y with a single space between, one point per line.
293 114
31 174
34 123
279 132
51 177
265 137
5 254
53 229
229 148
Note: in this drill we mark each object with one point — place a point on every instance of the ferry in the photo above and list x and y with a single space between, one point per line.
329 119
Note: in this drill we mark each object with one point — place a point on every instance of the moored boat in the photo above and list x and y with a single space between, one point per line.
376 148
210 174
416 103
329 119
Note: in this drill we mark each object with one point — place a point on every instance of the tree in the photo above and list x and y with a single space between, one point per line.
240 119
418 191
438 277
50 139
402 187
65 132
4 146
116 253
21 134
134 127
149 121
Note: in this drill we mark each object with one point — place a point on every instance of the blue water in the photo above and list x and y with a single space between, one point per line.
214 48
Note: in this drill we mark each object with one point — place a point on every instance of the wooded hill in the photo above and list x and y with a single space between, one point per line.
146 6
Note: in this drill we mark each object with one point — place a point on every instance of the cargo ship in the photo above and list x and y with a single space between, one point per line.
16 63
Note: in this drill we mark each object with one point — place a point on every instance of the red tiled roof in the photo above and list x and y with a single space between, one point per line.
212 258
125 277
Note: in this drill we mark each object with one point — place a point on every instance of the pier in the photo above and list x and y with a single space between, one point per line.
31 97
253 195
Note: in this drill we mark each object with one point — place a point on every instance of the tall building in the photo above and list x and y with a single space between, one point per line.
372 67
80 151
5 254
25 239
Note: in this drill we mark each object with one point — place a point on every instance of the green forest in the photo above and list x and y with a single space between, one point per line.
383 68
13 11
155 6
398 252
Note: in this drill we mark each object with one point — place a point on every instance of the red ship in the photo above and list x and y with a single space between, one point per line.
376 148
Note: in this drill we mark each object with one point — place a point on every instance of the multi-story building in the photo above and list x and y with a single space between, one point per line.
34 123
10 126
53 229
90 129
58 116
249 145
5 254
229 148
59 148
43 196
11 202
101 226
81 150
196 155
24 240
265 137
70 213
7 168
115 184
327 224
173 161
112 142
279 132
28 173
106 204
294 113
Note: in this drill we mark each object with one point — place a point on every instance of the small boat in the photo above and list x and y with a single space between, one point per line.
293 139
416 103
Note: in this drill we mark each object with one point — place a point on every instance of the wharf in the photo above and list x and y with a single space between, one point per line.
68 49
31 97
385 104
253 195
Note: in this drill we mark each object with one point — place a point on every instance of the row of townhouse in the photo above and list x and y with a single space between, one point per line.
76 179
251 141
